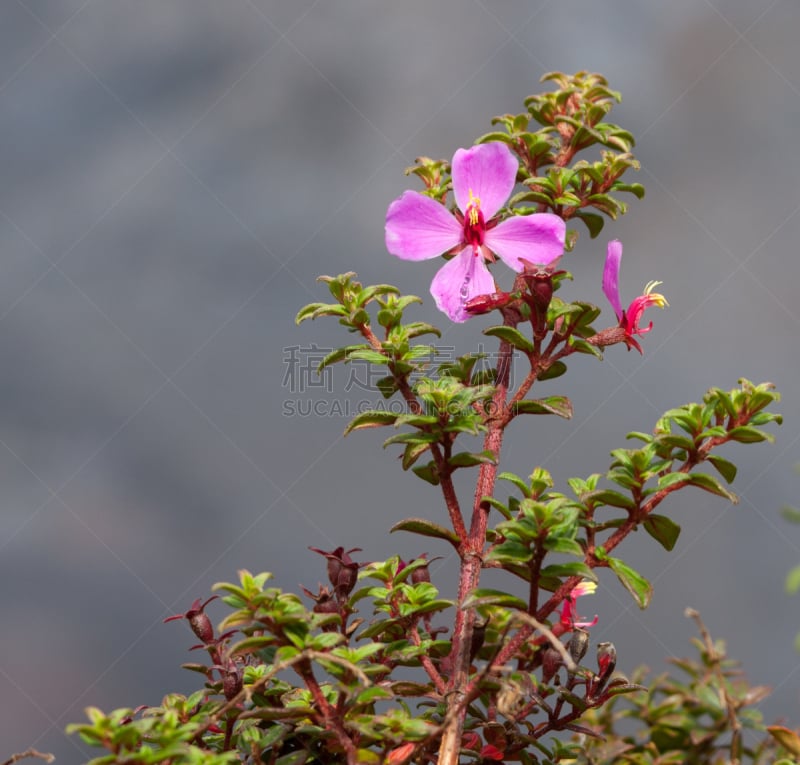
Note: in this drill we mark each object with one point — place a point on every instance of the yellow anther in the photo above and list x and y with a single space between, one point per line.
473 208
656 298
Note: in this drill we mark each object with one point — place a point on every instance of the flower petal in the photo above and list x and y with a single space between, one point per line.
538 238
459 280
611 276
418 227
489 171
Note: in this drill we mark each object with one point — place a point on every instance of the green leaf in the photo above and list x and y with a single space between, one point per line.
749 435
307 312
570 569
556 369
486 597
372 419
510 551
499 506
427 529
417 328
512 336
525 490
583 346
633 188
373 693
412 453
562 545
388 386
672 479
415 437
427 473
709 483
793 581
664 530
367 354
370 293
559 405
788 739
633 582
611 498
293 758
470 459
726 469
593 221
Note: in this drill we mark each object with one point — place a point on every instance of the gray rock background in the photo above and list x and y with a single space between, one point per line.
176 173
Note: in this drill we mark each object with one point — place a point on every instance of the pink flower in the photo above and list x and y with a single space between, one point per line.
630 318
420 228
569 610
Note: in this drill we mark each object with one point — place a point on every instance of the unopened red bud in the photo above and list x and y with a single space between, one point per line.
338 561
551 661
541 288
326 605
606 660
231 682
202 627
478 638
578 645
485 303
421 574
348 576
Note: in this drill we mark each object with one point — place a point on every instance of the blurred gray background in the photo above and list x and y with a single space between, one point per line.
176 173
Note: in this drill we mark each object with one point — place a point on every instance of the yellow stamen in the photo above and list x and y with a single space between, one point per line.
656 298
473 208
584 588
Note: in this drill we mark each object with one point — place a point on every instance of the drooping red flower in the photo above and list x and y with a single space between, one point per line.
569 609
629 318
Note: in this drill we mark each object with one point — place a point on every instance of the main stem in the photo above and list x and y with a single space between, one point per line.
471 553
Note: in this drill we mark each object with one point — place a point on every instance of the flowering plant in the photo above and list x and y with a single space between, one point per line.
377 667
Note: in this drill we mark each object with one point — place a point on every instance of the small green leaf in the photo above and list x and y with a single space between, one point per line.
415 437
611 498
749 435
293 758
427 473
672 479
570 569
525 490
664 530
632 581
510 551
788 739
373 693
562 545
370 293
470 459
793 581
340 354
633 188
512 336
371 419
485 597
417 328
367 354
593 221
556 369
559 405
726 469
583 346
709 483
412 453
306 312
499 506
427 529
